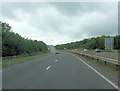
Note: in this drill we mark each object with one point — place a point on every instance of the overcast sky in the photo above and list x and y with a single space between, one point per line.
58 23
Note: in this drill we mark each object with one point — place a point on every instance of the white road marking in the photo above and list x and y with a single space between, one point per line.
48 67
113 84
56 60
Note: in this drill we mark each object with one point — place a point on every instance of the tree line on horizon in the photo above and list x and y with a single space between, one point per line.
91 43
13 44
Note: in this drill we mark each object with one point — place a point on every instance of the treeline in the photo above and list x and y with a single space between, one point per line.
14 44
91 43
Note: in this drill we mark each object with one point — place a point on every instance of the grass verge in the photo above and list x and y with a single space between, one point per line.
92 53
110 67
115 58
9 62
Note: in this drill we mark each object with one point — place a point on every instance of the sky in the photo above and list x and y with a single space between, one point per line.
61 22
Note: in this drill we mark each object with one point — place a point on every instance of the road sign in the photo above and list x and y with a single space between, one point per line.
109 43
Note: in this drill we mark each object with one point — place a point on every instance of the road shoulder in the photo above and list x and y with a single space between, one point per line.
24 62
106 73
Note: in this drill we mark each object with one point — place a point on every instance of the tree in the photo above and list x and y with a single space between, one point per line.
93 43
14 44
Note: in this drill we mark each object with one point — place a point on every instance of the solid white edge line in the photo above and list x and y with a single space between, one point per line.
113 84
48 67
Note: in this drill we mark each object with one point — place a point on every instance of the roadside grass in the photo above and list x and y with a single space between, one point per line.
112 51
0 64
116 58
89 52
110 67
9 62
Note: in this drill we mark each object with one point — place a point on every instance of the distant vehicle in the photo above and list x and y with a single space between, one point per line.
76 49
85 50
97 50
57 52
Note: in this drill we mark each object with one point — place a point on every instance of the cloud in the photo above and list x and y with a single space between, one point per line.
57 23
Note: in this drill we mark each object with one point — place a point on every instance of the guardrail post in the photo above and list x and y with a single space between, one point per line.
97 60
105 63
117 67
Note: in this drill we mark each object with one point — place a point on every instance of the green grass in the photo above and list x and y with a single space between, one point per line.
112 51
115 58
89 52
110 67
0 63
9 62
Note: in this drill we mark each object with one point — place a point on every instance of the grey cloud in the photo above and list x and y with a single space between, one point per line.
76 9
9 8
61 22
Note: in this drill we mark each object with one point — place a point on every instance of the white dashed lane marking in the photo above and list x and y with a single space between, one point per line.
48 67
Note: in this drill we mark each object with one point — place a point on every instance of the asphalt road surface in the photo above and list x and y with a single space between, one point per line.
56 71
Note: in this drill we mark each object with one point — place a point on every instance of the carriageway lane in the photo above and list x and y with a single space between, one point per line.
56 71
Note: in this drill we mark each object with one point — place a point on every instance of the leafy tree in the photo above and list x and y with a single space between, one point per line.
14 44
93 43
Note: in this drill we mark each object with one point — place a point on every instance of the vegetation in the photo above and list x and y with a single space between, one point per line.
9 62
92 43
13 44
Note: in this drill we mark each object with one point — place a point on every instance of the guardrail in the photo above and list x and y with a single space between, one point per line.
112 61
12 57
18 56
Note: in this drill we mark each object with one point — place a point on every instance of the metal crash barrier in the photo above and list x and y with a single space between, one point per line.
106 60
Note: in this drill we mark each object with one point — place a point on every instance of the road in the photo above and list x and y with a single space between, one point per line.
56 71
